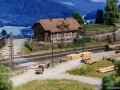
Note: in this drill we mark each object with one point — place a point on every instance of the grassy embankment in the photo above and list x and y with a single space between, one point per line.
91 70
26 51
95 26
63 84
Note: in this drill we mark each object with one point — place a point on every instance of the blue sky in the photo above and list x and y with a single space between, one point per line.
100 0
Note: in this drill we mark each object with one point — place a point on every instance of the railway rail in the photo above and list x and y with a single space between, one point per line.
57 56
46 56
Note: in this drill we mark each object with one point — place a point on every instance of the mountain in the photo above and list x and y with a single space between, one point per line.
27 12
83 6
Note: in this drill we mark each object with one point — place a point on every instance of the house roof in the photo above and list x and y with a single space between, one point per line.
56 25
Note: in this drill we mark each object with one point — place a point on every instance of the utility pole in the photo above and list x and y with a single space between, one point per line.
114 27
113 33
52 48
11 52
84 37
97 34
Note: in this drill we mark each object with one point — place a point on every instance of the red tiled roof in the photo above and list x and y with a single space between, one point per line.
55 25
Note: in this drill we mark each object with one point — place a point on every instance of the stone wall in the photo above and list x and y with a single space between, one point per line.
94 32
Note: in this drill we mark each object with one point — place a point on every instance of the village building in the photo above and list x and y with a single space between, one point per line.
2 42
56 30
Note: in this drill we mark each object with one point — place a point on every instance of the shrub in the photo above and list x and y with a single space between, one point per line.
81 40
61 45
83 71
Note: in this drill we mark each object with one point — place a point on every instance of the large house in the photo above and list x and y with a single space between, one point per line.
56 30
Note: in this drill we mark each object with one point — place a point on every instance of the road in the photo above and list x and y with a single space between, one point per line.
58 72
17 44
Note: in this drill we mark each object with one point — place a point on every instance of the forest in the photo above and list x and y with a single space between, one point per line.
27 12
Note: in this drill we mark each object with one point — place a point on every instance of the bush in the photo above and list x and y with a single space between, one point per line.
5 82
61 45
81 40
83 71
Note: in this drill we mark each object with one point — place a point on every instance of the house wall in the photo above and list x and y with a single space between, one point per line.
39 32
68 36
2 42
47 36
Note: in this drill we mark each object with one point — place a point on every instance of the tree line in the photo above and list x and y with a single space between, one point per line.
110 16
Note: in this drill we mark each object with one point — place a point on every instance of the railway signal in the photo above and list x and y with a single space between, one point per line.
11 52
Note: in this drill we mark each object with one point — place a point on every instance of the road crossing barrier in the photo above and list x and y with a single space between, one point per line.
7 53
32 66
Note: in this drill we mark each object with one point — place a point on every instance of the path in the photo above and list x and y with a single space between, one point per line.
17 43
58 72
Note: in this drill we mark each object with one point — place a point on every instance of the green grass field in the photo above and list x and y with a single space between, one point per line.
63 84
95 26
91 70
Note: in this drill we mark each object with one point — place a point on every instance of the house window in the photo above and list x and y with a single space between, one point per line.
68 34
64 34
74 33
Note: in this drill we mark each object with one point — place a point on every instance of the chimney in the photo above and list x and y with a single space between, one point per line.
50 19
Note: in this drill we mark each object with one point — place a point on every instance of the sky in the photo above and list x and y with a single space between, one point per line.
100 0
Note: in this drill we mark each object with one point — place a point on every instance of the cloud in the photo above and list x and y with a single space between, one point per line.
98 0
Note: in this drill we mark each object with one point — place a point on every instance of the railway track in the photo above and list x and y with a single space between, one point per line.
43 58
93 49
47 56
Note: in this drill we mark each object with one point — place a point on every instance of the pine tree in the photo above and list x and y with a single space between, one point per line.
112 81
99 16
5 83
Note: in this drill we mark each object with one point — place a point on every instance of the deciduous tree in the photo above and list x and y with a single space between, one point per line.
112 14
4 32
78 17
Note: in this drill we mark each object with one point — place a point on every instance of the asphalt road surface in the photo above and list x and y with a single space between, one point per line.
58 72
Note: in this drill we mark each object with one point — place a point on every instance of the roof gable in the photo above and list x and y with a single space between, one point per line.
55 25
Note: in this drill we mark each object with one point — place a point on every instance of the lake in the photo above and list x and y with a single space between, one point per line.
14 29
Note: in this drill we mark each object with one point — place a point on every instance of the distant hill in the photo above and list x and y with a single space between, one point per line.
27 12
83 6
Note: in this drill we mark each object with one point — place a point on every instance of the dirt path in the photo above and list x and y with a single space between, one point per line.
58 72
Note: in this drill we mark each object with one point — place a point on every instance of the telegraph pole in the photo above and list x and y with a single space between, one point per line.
97 34
11 52
84 39
52 48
